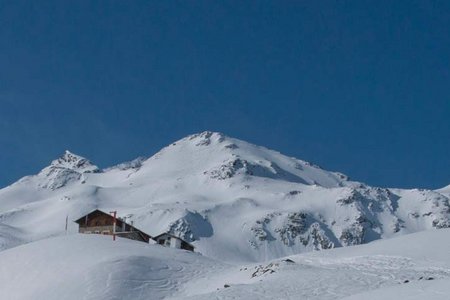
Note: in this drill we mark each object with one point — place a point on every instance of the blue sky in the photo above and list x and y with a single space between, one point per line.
361 87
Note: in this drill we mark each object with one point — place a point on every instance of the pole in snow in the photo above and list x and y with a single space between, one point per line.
67 221
114 223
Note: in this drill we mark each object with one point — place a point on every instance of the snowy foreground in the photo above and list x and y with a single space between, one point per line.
415 266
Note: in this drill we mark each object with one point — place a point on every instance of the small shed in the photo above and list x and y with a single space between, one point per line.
99 222
172 241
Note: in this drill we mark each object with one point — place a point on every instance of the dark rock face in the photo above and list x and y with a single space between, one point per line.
362 206
291 229
441 223
296 225
237 165
319 239
353 235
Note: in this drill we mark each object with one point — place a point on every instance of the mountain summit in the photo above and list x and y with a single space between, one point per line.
66 169
74 162
233 200
219 157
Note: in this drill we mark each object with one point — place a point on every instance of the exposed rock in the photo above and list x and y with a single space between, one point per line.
295 225
294 229
263 270
319 238
67 169
441 223
134 164
353 235
191 227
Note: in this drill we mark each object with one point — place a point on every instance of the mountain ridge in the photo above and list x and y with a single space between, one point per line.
232 199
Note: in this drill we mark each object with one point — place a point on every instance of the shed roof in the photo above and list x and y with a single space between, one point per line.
119 221
171 235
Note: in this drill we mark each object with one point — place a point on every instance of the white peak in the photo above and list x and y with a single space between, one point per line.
67 169
217 156
206 138
74 162
206 134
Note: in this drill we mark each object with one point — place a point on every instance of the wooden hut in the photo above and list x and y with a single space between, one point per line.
169 240
99 222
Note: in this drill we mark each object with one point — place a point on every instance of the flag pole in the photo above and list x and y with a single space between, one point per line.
114 223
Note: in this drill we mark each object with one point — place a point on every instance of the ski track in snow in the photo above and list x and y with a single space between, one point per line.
332 279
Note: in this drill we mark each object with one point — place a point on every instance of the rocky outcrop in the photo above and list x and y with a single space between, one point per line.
291 229
67 169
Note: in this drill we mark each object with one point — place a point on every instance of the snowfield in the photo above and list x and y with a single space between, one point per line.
245 208
415 266
95 267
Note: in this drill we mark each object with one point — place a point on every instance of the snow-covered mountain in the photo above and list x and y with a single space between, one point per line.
231 199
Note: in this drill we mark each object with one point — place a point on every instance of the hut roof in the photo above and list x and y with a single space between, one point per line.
119 221
171 235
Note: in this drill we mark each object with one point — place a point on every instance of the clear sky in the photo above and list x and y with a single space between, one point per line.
360 87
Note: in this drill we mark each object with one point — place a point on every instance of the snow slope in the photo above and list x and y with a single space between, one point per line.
445 190
94 267
234 201
433 290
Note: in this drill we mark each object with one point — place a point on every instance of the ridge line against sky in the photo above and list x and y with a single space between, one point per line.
360 88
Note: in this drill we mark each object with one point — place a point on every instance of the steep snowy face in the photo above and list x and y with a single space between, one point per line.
216 156
64 170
